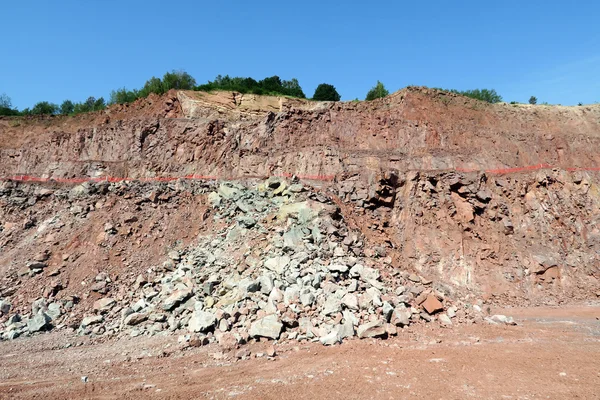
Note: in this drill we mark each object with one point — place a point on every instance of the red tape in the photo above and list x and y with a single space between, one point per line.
499 171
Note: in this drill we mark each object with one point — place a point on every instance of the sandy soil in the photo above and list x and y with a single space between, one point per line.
552 354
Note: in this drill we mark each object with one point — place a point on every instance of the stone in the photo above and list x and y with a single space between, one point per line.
5 307
202 321
371 329
387 311
248 285
341 268
350 301
271 351
175 298
214 199
54 311
331 306
432 305
401 316
444 320
331 338
268 327
452 311
91 320
307 299
277 264
38 322
501 319
242 353
227 192
104 304
135 318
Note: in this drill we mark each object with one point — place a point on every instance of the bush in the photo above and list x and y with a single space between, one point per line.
45 108
377 92
488 95
269 86
533 100
326 92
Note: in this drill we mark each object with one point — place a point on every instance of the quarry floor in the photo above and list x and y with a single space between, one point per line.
553 353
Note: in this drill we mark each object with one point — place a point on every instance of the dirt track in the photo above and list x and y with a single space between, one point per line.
552 354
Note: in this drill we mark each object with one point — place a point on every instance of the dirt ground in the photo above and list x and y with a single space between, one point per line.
553 353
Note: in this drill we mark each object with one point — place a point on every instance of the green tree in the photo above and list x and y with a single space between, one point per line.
99 104
6 106
179 80
67 107
377 92
5 101
152 85
533 100
123 96
326 92
44 108
292 88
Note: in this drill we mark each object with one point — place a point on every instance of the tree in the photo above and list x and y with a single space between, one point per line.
6 105
152 85
292 88
533 100
123 96
5 101
44 108
326 92
179 80
377 92
67 107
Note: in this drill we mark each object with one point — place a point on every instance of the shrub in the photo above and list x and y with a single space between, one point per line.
533 100
269 86
326 92
377 92
488 95
45 108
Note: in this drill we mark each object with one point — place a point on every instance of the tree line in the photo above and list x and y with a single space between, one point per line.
181 80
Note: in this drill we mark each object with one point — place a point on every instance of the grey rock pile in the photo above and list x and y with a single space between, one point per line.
281 264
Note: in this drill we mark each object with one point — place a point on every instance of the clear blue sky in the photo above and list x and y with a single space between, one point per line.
72 49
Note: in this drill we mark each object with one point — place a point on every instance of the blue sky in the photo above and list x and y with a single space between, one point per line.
56 50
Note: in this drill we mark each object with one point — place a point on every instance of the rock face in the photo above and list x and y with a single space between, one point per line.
377 234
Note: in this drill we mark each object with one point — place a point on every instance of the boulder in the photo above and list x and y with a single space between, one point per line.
135 318
175 298
202 321
268 327
104 304
39 322
371 329
432 304
91 320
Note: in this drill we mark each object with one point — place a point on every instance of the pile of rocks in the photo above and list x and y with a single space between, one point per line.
284 266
